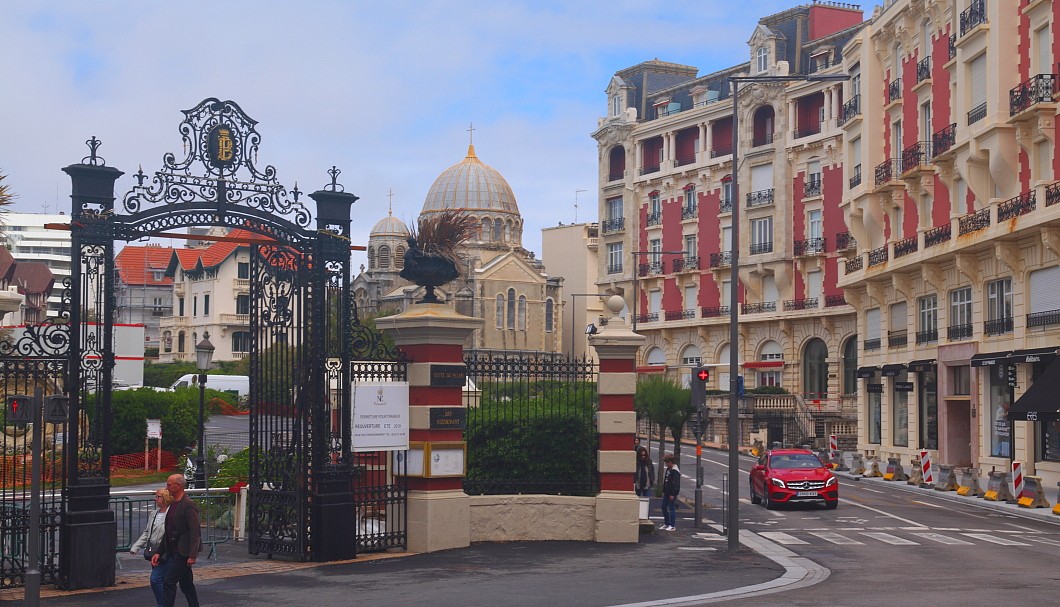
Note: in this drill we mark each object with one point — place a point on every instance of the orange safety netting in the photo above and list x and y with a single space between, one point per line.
135 461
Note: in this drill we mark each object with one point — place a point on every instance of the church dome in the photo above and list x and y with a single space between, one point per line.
390 226
472 186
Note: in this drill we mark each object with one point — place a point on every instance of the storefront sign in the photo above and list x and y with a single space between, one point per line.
448 376
380 416
875 388
448 418
903 386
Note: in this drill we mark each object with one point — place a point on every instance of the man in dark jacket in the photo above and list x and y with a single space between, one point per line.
670 488
183 543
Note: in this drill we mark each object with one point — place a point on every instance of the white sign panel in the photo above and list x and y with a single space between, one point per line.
154 428
380 416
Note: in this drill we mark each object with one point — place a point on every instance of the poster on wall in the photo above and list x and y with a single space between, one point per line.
380 416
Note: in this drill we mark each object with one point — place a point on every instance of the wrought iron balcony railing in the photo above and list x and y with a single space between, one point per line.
725 206
973 222
894 90
758 308
906 246
923 69
685 160
998 326
916 155
812 187
715 311
1016 206
807 303
615 224
855 180
973 16
855 264
807 130
721 260
810 246
650 269
888 170
852 108
1043 319
937 235
689 212
943 140
977 113
648 317
649 169
758 248
614 268
831 301
873 344
761 198
721 150
680 314
653 218
952 47
1036 89
927 336
878 256
761 139
959 332
685 264
845 242
1052 194
897 339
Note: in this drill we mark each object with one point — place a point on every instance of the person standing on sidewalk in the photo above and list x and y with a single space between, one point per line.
154 539
183 544
644 480
671 486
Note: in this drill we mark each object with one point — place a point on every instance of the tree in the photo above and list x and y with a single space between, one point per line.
664 402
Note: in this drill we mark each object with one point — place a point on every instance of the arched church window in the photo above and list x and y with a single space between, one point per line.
371 258
498 228
549 315
384 257
507 231
500 312
487 227
511 309
399 257
522 312
180 341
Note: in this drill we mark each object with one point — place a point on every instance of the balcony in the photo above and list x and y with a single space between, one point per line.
685 160
998 326
758 308
689 212
943 140
1037 89
680 314
1016 206
888 171
725 206
878 256
649 170
685 264
928 336
721 260
616 175
614 268
721 150
809 247
761 139
905 247
1043 319
653 219
808 303
832 301
894 90
235 319
1052 194
873 344
852 108
855 264
959 332
761 198
897 339
714 312
650 269
648 317
241 284
973 222
916 156
937 235
952 47
973 16
923 69
977 113
807 130
855 179
759 248
615 224
845 242
812 187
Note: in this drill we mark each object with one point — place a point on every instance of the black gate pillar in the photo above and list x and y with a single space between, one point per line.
88 537
334 509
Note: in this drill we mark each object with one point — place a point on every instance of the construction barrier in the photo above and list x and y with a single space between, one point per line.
925 468
948 480
895 472
997 487
857 464
1017 480
874 468
1033 494
916 474
833 443
969 483
841 462
1056 508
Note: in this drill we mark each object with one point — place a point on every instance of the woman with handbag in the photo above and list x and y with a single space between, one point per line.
153 541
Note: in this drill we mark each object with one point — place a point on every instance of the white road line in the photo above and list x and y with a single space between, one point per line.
782 538
943 539
994 540
711 487
871 490
1045 540
1024 528
926 504
887 514
697 548
887 538
835 538
775 514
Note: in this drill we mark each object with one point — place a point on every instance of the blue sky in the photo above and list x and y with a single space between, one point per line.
383 90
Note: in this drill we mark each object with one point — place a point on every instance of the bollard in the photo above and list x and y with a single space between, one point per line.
1033 495
841 462
857 464
874 468
925 469
948 480
916 475
1017 481
895 472
1056 508
970 483
997 487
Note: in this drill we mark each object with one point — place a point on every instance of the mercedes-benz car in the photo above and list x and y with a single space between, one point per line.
786 476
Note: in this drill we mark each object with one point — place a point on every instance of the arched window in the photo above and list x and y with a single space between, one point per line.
549 315
770 376
656 357
511 309
691 356
498 229
487 227
180 341
384 257
167 341
500 312
507 231
850 366
815 370
371 258
616 163
399 257
522 312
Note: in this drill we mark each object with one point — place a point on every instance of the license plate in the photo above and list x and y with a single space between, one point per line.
806 494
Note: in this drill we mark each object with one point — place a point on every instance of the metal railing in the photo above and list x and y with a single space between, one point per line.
811 246
725 206
685 264
217 515
715 311
878 256
973 222
943 140
973 16
888 171
761 198
721 260
894 90
806 303
855 264
614 268
916 155
927 336
905 247
959 332
831 301
873 344
855 179
650 269
758 248
615 224
937 235
685 160
757 308
844 241
680 314
852 108
1043 319
653 219
977 113
812 187
1052 194
923 69
1016 206
998 326
897 339
1036 89
648 317
689 212
952 46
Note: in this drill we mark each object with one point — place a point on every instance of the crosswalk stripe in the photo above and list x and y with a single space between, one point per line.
1045 540
887 538
1004 541
943 539
782 538
835 538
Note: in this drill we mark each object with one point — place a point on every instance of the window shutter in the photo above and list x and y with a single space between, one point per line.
872 323
769 289
761 177
814 284
978 81
898 316
655 301
1045 290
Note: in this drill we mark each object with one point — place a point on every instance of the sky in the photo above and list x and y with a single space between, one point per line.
385 91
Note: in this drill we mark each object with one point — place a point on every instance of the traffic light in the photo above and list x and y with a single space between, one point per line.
700 378
19 409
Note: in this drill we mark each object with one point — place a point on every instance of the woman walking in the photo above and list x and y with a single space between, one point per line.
153 539
644 480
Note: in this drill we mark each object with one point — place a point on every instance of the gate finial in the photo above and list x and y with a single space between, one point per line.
334 186
93 158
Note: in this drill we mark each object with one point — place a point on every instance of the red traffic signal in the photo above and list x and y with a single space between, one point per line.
703 374
19 409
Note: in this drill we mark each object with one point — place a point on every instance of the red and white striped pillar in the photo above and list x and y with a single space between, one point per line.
617 505
1017 479
925 467
439 512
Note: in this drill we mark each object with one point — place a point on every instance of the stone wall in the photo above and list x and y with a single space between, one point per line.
512 518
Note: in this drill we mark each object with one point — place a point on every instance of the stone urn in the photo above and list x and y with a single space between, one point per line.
428 270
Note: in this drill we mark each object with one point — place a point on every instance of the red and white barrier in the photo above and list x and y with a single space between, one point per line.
833 444
925 467
1017 478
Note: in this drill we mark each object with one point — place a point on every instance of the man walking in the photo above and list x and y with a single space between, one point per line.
670 488
183 544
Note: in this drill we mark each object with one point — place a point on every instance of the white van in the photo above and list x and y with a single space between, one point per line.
236 384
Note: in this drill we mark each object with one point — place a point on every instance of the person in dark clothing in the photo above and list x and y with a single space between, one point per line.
644 479
671 487
183 543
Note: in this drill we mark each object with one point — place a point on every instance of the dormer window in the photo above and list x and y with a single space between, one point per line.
761 59
615 109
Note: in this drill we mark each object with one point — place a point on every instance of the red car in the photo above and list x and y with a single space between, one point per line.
785 476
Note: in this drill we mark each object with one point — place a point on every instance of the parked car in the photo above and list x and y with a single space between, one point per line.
785 476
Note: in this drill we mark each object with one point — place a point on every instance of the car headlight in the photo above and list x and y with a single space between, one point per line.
831 482
778 483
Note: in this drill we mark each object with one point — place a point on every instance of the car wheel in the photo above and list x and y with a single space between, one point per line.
770 504
754 496
832 505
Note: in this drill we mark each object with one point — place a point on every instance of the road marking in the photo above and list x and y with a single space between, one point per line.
871 490
783 538
881 512
711 537
926 504
994 540
697 548
711 487
887 538
835 538
943 539
955 529
1024 528
1045 540
776 514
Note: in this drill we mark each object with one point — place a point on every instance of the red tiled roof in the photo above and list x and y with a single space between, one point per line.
213 255
137 265
33 277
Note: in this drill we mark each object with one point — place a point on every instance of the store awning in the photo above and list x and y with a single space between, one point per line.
867 372
1033 355
1039 402
764 364
990 359
892 370
917 366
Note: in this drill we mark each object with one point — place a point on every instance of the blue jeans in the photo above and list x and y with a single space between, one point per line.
645 492
157 573
669 508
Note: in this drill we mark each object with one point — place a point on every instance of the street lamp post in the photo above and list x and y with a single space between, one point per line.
636 277
733 507
203 357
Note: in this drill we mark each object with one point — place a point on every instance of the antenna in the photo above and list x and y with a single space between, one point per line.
576 192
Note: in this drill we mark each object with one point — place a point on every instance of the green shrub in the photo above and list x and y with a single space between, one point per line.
178 410
767 390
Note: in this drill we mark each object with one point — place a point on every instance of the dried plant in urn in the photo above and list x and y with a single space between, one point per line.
431 260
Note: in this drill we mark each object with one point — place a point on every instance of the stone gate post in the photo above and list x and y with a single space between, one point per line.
617 506
433 336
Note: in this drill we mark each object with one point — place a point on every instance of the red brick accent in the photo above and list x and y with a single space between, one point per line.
616 481
424 395
435 353
616 442
617 365
436 436
616 402
435 484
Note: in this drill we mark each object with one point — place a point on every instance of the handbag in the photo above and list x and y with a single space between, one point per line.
148 553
